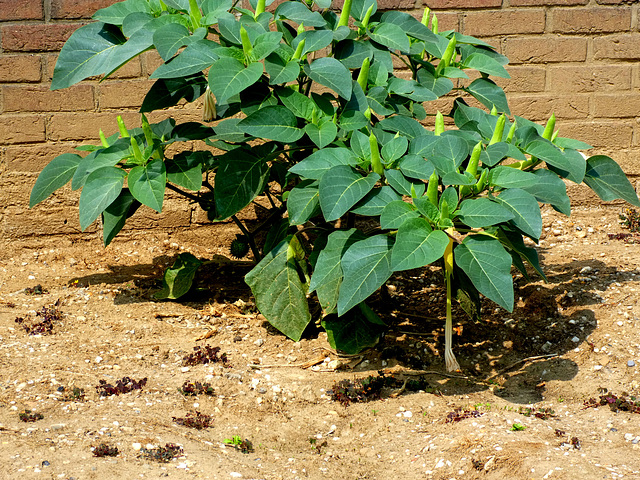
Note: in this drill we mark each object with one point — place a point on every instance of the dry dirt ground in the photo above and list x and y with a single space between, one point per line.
514 411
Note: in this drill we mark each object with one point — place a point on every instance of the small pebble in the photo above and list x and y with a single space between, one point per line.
629 436
631 363
575 339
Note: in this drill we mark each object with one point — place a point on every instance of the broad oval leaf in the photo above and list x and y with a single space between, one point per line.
303 202
319 162
605 177
573 167
185 169
486 64
116 214
322 134
508 177
417 245
525 209
198 56
341 188
228 77
391 36
396 213
100 190
482 212
274 122
147 183
356 330
549 188
489 94
375 201
488 265
331 73
54 176
178 278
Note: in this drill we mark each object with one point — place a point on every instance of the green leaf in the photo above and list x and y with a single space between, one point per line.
240 178
300 105
331 73
391 36
116 214
147 183
396 213
514 241
402 184
488 265
319 162
86 54
167 93
265 44
169 38
212 9
314 40
54 176
107 157
280 68
275 122
354 331
192 60
482 212
185 169
366 265
573 167
605 177
341 188
352 120
485 64
298 13
352 53
374 202
440 86
303 202
413 166
228 77
327 275
549 188
100 190
525 209
280 294
322 134
178 279
404 125
394 149
417 245
489 94
508 177
116 13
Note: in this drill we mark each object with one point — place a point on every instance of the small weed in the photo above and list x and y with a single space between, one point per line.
198 420
486 406
43 323
196 388
37 290
245 446
104 450
162 454
541 413
75 395
29 416
518 427
204 355
125 385
614 402
630 219
459 414
370 388
317 447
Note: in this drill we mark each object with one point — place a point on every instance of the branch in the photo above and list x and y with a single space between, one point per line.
183 193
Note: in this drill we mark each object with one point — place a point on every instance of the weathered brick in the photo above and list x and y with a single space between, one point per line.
21 129
42 220
460 4
68 9
615 2
121 94
540 107
504 22
575 79
616 105
20 68
523 79
600 133
33 158
447 21
396 4
36 38
545 49
617 47
540 3
590 20
21 10
85 126
150 61
39 98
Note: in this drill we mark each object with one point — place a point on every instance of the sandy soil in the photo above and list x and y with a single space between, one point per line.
524 382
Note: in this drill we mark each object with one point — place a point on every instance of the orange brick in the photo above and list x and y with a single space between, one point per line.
461 4
37 98
590 78
545 49
523 79
540 107
504 22
69 9
21 129
590 20
542 3
150 61
617 47
600 133
123 94
85 126
36 38
616 105
21 10
20 68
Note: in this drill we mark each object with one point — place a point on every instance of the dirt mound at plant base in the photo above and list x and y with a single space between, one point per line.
507 419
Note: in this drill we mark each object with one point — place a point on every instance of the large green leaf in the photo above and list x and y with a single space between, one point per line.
303 202
107 157
327 275
280 68
525 209
440 86
169 38
396 213
100 190
147 183
331 73
485 64
87 53
299 13
573 167
489 94
391 36
240 178
185 169
54 176
417 245
341 188
319 162
404 185
323 133
228 77
488 265
374 202
116 13
508 177
549 188
300 105
265 44
314 40
198 56
366 265
280 294
515 242
275 122
482 212
605 177
178 279
356 330
116 214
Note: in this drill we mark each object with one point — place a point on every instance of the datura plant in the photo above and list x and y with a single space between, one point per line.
306 112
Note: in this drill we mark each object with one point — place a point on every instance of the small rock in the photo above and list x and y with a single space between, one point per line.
547 346
235 475
259 342
185 369
575 339
631 363
629 436
136 446
58 426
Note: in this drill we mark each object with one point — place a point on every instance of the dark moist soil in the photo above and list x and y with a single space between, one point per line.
107 383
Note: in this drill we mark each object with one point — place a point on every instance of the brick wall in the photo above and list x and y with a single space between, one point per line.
577 58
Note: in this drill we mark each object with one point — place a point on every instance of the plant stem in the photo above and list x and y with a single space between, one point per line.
249 236
449 357
183 193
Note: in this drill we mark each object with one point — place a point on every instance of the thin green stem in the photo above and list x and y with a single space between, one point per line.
249 237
